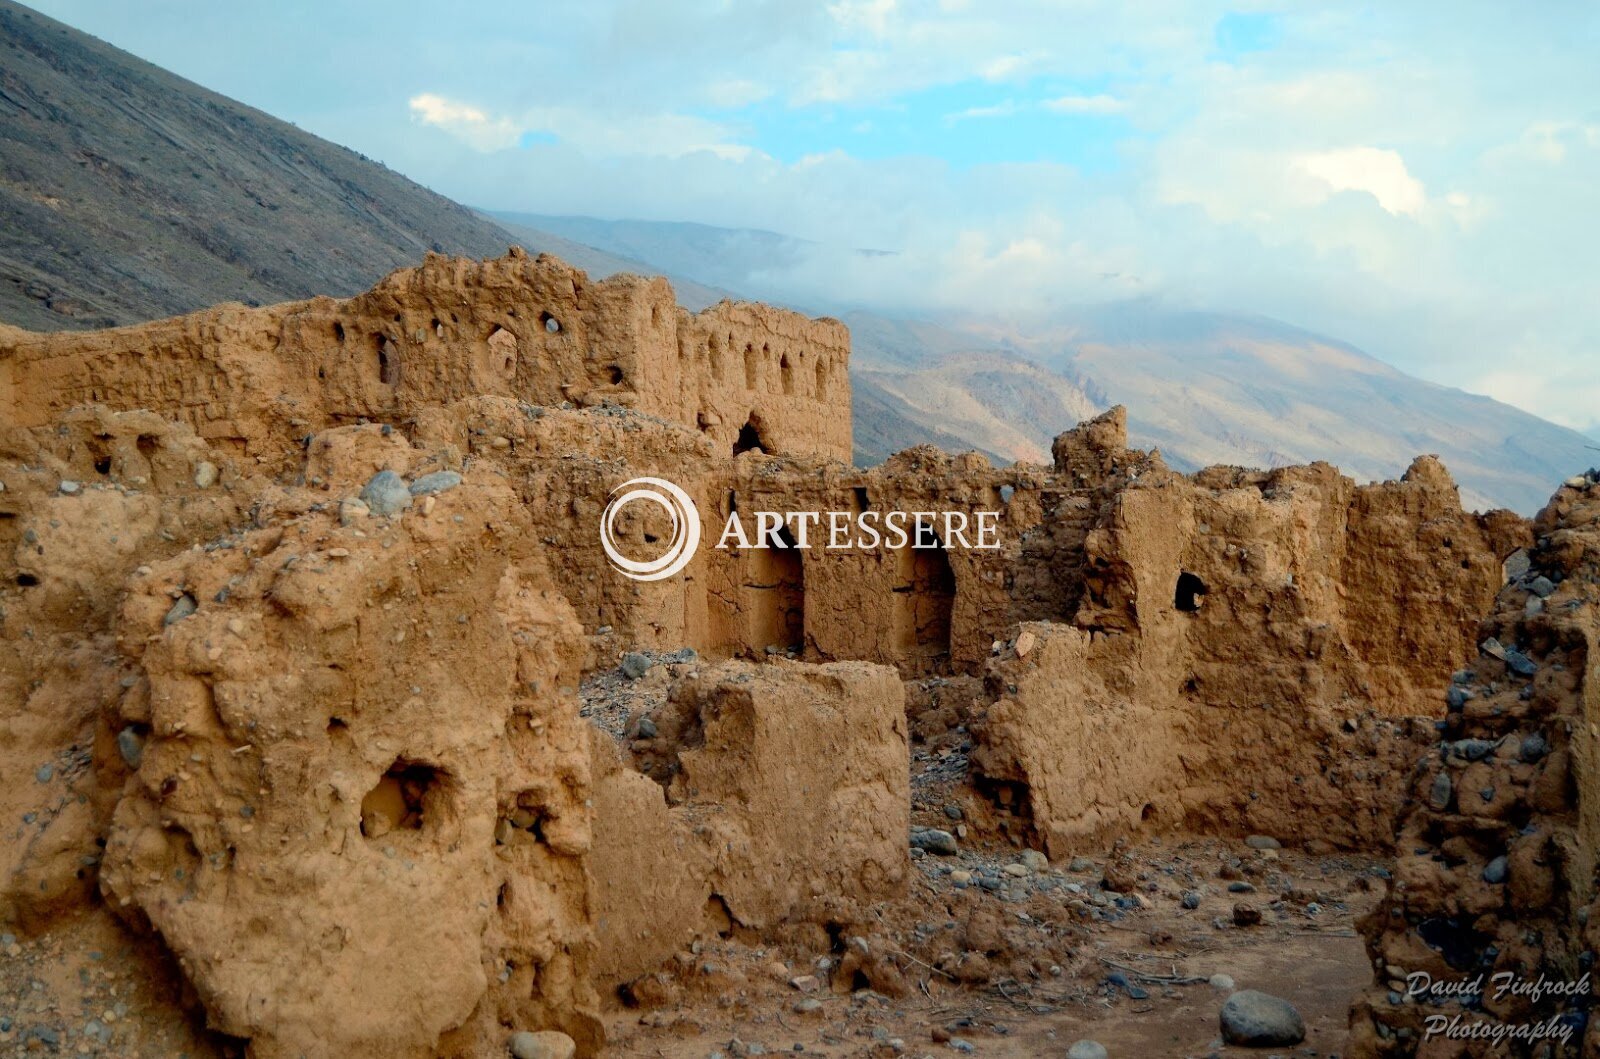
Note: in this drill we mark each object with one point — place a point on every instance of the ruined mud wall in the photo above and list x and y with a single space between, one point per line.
752 376
925 610
535 329
248 673
778 795
83 505
251 697
315 756
1497 848
922 610
1233 661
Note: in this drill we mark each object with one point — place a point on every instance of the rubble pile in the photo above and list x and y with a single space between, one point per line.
1494 885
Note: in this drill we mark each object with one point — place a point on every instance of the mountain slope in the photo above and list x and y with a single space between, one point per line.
601 263
885 424
730 258
1008 401
1209 388
127 193
1204 387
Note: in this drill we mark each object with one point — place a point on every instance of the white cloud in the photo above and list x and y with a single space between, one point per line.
1548 142
870 16
466 122
1005 66
1565 397
604 135
998 110
736 92
1097 104
1378 172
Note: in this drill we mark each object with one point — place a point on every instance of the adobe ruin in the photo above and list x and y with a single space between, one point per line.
270 700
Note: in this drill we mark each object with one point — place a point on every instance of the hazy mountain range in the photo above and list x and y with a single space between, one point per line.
1206 388
128 193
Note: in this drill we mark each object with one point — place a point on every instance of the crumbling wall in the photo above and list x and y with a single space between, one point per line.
755 742
212 625
1218 648
264 679
261 379
1407 624
651 889
82 505
564 466
923 610
1496 855
780 795
352 841
759 377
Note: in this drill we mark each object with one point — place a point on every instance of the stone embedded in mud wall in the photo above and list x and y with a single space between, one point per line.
1497 847
535 329
358 818
1221 671
82 505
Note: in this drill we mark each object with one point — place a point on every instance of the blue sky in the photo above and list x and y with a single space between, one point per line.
1418 178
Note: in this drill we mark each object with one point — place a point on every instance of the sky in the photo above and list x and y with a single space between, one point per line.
1420 179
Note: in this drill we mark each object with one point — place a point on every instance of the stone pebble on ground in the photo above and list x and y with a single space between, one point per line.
547 1044
437 482
1254 1019
934 841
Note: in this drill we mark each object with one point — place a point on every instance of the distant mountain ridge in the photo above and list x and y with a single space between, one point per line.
726 258
1206 388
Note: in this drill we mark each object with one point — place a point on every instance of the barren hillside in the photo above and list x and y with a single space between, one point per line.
128 194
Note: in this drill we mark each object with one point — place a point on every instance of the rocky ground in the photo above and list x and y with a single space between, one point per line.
91 988
998 951
1139 973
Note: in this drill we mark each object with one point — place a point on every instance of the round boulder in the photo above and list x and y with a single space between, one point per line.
546 1045
1254 1019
